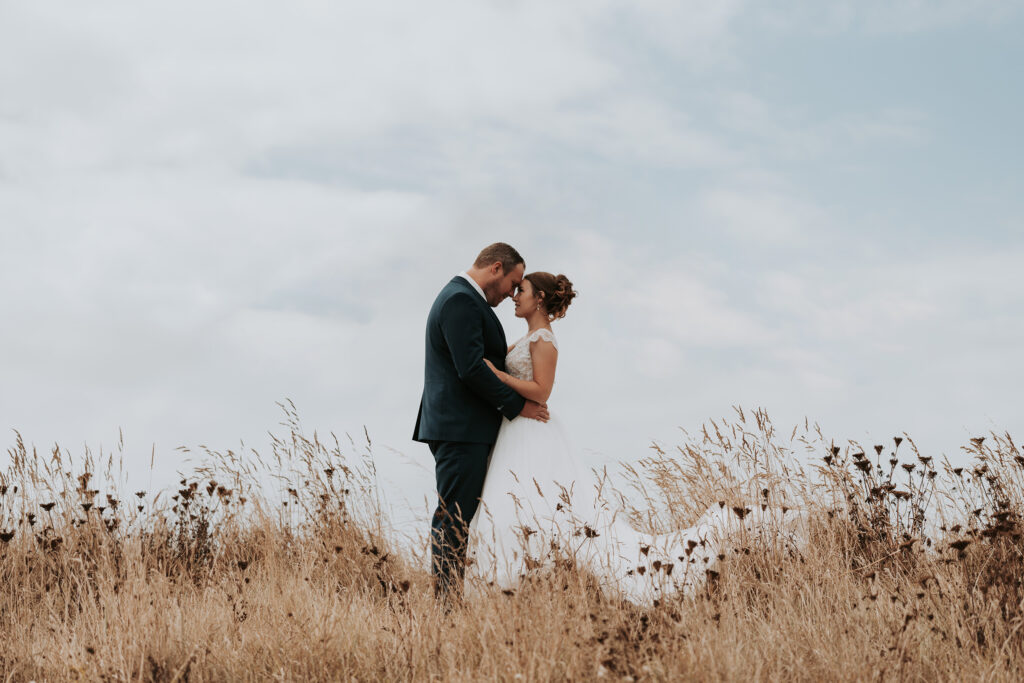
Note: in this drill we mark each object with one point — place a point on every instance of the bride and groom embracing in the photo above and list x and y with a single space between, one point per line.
512 490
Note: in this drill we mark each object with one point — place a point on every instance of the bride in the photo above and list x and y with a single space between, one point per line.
540 501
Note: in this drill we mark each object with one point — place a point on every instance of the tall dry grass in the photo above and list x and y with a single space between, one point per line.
283 568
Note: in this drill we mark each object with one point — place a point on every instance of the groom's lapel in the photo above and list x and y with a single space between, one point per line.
461 282
494 319
494 316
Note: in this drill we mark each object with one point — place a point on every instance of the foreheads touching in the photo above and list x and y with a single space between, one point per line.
498 270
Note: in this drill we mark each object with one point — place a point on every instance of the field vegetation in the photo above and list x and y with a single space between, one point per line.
283 567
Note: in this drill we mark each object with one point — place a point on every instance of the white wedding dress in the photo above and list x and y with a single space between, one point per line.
540 504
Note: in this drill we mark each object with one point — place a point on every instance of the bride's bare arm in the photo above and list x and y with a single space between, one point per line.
545 357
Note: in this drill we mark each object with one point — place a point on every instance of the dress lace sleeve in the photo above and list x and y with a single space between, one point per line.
544 334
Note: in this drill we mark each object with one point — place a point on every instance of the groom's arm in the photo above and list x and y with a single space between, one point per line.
463 331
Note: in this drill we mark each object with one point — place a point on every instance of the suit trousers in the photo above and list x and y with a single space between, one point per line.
460 468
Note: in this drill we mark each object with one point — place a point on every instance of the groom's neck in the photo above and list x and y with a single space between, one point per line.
479 276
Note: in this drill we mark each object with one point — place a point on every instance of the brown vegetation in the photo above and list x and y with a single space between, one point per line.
914 571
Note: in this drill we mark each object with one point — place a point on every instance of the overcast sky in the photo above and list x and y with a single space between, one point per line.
206 208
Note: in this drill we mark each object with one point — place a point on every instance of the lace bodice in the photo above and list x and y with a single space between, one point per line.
518 362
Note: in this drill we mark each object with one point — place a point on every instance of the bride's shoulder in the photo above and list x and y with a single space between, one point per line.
543 334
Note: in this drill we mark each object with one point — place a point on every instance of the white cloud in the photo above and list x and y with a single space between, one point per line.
761 215
784 131
171 89
694 312
881 16
700 34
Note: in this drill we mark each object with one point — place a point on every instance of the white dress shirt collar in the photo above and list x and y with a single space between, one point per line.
474 284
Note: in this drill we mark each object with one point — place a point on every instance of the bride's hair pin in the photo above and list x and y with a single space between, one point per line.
555 292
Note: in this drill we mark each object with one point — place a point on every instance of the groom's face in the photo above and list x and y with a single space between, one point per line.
504 284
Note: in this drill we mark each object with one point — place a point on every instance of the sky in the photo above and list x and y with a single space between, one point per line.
209 208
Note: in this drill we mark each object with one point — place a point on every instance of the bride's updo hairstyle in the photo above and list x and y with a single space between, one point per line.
556 290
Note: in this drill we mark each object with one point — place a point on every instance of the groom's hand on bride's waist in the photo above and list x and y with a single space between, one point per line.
535 411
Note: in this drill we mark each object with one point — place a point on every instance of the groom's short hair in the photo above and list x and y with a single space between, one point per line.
499 251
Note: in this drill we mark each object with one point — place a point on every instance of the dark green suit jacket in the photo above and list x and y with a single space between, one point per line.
462 399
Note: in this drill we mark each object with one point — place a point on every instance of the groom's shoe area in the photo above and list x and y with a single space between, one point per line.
460 468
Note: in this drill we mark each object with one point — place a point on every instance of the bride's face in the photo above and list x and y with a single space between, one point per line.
526 301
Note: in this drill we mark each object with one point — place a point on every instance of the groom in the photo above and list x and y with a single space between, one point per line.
463 401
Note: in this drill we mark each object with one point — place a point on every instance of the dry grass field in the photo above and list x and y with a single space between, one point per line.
282 568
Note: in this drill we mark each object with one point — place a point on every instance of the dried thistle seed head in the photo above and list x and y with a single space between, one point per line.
898 440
